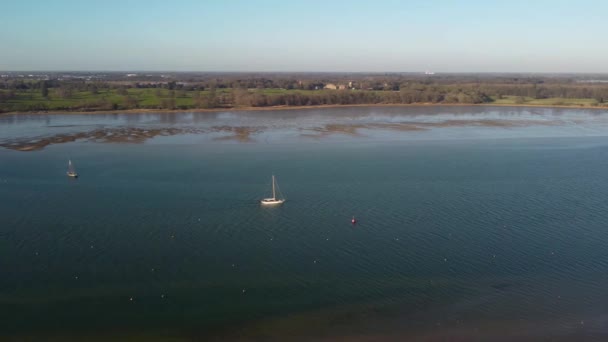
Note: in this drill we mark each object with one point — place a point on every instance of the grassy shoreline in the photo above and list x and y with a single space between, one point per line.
157 100
274 108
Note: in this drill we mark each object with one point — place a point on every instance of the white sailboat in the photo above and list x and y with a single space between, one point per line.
71 171
273 200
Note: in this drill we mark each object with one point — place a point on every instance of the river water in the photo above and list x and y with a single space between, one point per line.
474 223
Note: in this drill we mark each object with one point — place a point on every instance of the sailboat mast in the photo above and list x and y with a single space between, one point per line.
274 196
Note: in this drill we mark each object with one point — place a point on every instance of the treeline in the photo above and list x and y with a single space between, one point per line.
578 91
534 88
24 96
246 98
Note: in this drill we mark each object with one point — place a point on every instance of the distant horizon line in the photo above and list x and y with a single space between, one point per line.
306 72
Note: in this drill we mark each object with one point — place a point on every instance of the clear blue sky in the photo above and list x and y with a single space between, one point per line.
312 35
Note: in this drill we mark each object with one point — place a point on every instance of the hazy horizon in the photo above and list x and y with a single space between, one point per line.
272 36
329 72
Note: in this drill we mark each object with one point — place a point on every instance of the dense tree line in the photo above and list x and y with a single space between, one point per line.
250 91
531 88
345 97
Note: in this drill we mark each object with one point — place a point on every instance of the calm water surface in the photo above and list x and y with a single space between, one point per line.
469 229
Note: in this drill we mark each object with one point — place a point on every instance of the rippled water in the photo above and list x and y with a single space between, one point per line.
470 239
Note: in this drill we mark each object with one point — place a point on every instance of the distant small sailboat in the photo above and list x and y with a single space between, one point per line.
273 200
71 171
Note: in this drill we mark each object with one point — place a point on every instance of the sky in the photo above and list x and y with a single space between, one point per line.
313 35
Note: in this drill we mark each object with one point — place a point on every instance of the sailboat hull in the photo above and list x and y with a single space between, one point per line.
71 172
272 201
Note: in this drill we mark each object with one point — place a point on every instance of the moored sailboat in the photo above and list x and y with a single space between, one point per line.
71 170
273 200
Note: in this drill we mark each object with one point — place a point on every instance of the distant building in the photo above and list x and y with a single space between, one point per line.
429 72
131 75
335 86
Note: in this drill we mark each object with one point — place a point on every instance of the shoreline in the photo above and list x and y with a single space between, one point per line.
272 108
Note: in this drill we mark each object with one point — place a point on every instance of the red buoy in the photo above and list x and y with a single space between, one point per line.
353 221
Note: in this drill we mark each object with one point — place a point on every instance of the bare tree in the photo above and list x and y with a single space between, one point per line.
241 97
64 92
122 91
211 98
130 102
44 90
168 103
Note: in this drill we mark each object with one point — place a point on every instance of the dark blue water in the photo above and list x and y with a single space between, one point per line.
483 239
